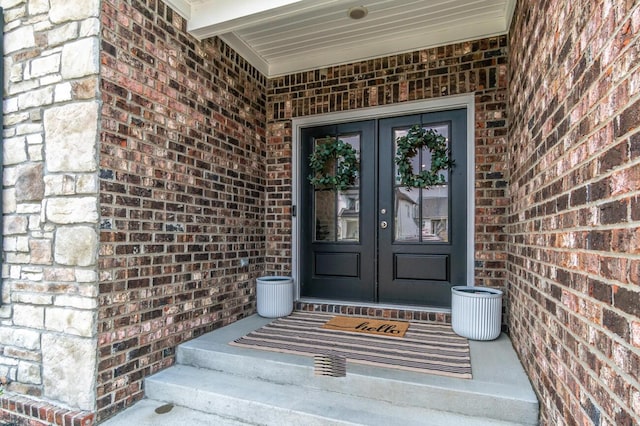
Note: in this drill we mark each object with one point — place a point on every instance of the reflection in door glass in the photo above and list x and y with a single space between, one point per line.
422 215
407 208
325 221
337 213
349 215
435 214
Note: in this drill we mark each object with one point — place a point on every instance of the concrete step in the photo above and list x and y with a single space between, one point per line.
143 413
249 386
258 402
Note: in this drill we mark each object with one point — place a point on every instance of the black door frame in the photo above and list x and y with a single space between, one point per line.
452 102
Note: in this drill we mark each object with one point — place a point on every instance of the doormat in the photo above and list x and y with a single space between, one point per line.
368 325
427 347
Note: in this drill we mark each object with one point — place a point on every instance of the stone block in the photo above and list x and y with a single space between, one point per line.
69 369
63 33
86 276
35 139
10 176
20 337
70 321
8 372
14 274
85 88
76 246
30 184
22 87
38 6
59 184
50 80
90 27
44 65
8 361
34 153
41 253
36 98
87 184
14 74
64 10
72 210
22 258
59 274
14 150
23 354
10 244
62 92
41 26
9 201
27 129
28 316
29 372
71 137
12 120
76 302
11 104
31 298
21 38
33 275
22 243
80 58
15 225
29 207
8 4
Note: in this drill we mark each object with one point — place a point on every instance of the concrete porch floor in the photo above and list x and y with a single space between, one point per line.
497 377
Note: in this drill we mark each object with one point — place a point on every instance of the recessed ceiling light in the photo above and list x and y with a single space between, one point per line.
357 12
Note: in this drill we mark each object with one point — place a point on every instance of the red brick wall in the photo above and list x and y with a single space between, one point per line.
18 410
182 192
472 67
574 240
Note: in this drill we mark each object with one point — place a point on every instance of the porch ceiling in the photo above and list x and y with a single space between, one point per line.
284 36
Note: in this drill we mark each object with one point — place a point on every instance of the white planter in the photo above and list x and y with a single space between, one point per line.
476 312
274 296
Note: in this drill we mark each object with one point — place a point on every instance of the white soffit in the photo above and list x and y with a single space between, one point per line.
285 36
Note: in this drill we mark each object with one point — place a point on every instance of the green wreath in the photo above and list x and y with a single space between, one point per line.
409 146
325 156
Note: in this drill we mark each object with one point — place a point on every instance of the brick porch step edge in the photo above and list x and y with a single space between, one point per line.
19 409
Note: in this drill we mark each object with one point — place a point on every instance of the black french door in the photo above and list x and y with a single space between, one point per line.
378 241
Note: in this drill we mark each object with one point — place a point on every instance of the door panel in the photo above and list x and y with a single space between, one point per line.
337 264
423 251
338 243
422 267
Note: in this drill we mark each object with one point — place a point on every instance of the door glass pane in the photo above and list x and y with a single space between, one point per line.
407 220
354 141
325 220
349 215
337 215
435 214
422 215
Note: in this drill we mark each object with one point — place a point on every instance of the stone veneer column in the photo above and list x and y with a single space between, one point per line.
51 113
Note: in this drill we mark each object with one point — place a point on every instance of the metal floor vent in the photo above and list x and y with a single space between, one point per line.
330 365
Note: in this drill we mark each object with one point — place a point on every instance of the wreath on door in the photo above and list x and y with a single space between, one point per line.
408 147
334 165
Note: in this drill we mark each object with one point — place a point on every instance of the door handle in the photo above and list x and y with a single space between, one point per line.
384 224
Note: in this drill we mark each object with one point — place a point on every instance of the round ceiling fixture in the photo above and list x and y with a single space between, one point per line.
357 12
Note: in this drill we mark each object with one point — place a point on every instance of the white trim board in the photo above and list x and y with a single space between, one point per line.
441 104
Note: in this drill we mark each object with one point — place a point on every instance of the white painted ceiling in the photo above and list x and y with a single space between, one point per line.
285 36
